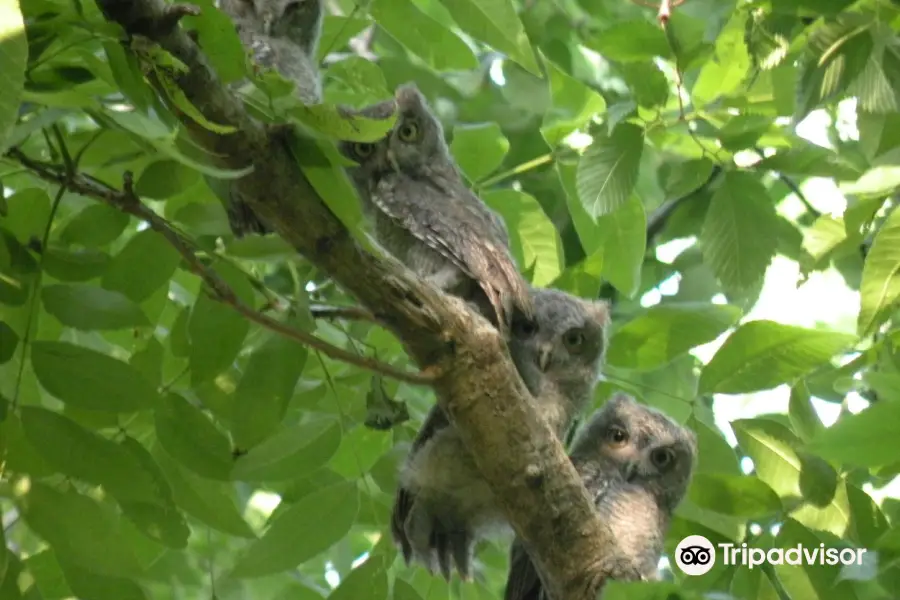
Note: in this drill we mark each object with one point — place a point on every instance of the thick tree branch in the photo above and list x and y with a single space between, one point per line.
127 201
478 386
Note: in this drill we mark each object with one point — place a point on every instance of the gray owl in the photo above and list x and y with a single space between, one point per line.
282 35
443 506
423 213
637 464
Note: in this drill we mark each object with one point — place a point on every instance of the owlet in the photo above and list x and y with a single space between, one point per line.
637 465
423 213
281 35
443 506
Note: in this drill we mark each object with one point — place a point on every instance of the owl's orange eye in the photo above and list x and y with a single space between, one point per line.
408 132
616 436
363 150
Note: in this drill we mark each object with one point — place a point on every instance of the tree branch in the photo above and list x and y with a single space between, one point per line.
478 386
127 201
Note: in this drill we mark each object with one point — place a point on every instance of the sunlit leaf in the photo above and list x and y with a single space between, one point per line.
479 149
738 495
608 169
860 439
880 287
725 72
13 58
572 104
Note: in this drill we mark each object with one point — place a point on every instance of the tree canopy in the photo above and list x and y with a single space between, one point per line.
184 414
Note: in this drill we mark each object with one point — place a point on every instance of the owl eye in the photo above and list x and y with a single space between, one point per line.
574 340
524 327
363 150
662 458
616 436
408 132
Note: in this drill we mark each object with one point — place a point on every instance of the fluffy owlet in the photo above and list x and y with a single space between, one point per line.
637 464
281 35
423 213
443 506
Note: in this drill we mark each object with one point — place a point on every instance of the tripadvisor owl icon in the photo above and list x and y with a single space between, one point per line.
695 555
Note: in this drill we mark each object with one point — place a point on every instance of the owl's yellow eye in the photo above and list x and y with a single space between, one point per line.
363 150
408 132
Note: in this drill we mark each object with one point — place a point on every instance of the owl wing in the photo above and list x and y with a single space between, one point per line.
522 581
404 498
451 220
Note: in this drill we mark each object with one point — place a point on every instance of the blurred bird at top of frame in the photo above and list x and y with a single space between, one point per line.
281 35
443 507
424 214
637 464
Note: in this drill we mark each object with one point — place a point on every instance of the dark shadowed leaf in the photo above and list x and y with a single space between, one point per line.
145 264
77 264
763 354
666 331
265 389
9 341
291 453
88 379
89 307
191 438
301 531
608 170
79 530
87 584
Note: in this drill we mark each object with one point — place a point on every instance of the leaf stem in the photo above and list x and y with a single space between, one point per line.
525 166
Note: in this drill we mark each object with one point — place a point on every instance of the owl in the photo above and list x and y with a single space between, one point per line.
423 213
443 506
281 35
637 465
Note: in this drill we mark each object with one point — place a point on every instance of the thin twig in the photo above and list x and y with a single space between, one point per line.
791 185
127 201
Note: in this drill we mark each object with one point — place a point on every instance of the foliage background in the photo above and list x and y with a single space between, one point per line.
156 445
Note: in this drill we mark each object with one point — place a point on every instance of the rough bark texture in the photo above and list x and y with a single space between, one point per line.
479 387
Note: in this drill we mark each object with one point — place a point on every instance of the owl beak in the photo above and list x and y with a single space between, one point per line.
392 159
629 471
544 355
267 18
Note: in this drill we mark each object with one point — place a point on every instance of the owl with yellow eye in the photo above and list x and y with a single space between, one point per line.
423 213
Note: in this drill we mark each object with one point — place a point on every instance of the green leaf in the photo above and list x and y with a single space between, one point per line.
533 237
861 439
739 234
90 380
681 178
623 235
737 495
608 170
86 584
368 581
495 23
211 502
88 307
216 330
802 413
13 58
337 31
27 213
126 70
667 331
77 452
9 341
191 438
80 264
760 355
648 84
163 179
479 149
337 123
880 286
302 531
145 264
219 40
362 82
95 226
635 40
79 530
291 453
434 43
729 65
265 389
572 104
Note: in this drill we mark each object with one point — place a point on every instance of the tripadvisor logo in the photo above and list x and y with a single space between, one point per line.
696 555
